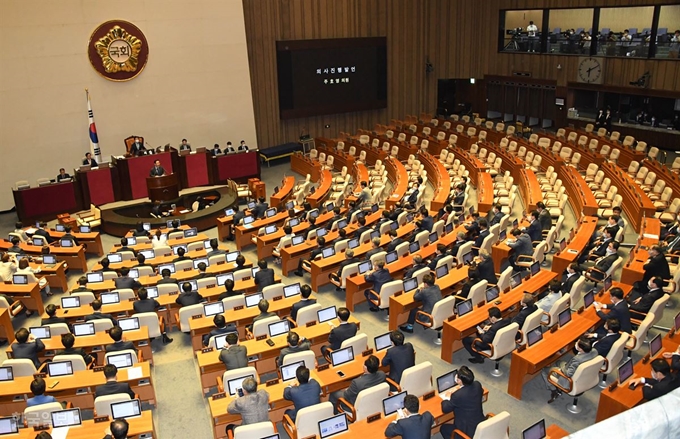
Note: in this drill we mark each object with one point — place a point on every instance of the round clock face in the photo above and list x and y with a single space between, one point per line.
590 70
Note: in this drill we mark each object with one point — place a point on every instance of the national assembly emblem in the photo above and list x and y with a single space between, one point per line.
118 50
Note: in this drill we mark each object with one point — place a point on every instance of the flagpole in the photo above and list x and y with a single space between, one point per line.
94 139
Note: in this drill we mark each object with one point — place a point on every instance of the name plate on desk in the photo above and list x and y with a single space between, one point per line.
98 369
239 307
99 419
398 293
206 350
197 316
174 293
41 427
39 375
323 367
554 329
310 324
272 382
613 386
367 352
277 298
373 418
211 286
452 318
219 396
521 348
428 395
261 337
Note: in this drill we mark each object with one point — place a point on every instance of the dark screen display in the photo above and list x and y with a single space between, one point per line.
331 76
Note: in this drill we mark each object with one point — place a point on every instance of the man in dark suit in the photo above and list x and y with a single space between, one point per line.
412 425
124 246
303 394
263 307
67 235
534 230
429 294
395 240
418 264
215 248
362 227
295 344
184 146
349 259
260 208
157 170
413 196
216 150
640 302
544 217
68 340
89 161
465 401
521 244
181 255
484 267
439 254
527 307
243 146
229 290
375 249
597 248
584 353
495 215
229 148
119 344
483 232
166 279
63 176
112 386
305 292
379 276
220 328
144 304
604 344
656 265
98 314
426 221
317 251
661 382
472 229
16 246
51 311
570 279
40 231
26 346
125 281
341 332
617 310
188 296
372 376
458 200
137 148
602 264
265 276
399 357
486 334
460 240
234 356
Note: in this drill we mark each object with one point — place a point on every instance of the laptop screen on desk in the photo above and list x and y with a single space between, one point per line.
342 356
464 307
85 229
59 368
442 271
607 283
70 302
152 292
66 243
20 279
134 273
288 371
655 346
109 298
515 280
291 290
121 361
328 252
290 205
492 294
564 317
132 240
129 324
211 309
170 267
391 257
148 254
59 228
114 258
126 409
365 266
66 418
6 373
393 403
38 241
446 381
589 298
332 426
432 237
294 222
278 328
253 299
83 329
9 425
410 284
222 278
199 261
49 259
40 331
353 243
270 212
383 342
534 336
231 256
326 314
467 258
177 247
146 226
536 431
297 240
237 383
190 233
270 229
221 340
414 247
535 268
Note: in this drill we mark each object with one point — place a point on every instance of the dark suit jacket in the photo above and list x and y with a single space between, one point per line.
604 345
345 263
137 148
647 300
456 246
45 234
410 271
190 298
100 315
76 351
231 327
489 335
535 231
157 172
413 198
657 266
260 208
264 278
605 263
127 282
545 219
303 395
426 223
433 263
379 278
429 296
120 346
341 333
619 311
392 246
215 152
167 280
466 404
365 381
523 314
146 305
486 271
399 358
297 306
480 238
234 357
415 426
113 387
601 249
657 388
51 320
303 345
91 162
28 351
568 283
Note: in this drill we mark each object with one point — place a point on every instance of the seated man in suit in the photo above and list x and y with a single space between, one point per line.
229 290
571 276
439 254
604 344
229 148
220 328
137 148
188 296
521 244
144 304
118 427
656 265
68 340
460 240
40 231
16 246
395 240
375 249
263 307
124 246
429 294
67 235
234 355
418 264
89 161
598 248
216 150
349 259
181 255
640 302
486 333
584 353
125 281
253 406
184 146
617 310
399 357
119 342
260 208
243 146
483 232
63 176
26 346
98 314
465 401
426 221
495 215
362 227
51 311
295 344
112 385
546 303
38 387
411 425
372 376
341 332
265 276
305 292
157 170
604 263
527 307
484 267
215 248
304 393
379 275
663 381
82 286
166 279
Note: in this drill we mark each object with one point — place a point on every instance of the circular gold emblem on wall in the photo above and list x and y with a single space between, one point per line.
118 50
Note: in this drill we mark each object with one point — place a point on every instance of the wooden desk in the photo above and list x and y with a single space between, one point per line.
73 256
439 176
633 270
284 192
243 234
93 240
454 331
29 295
398 176
140 425
636 204
323 190
55 275
304 166
575 247
580 195
6 327
484 192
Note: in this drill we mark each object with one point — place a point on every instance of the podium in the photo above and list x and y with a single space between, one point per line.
165 188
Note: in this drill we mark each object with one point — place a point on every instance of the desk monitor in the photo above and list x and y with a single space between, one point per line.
564 317
222 278
342 224
199 261
382 342
365 266
83 329
297 240
169 225
270 229
270 212
535 268
231 256
393 403
9 425
330 207
108 298
314 213
353 243
332 426
121 361
492 294
288 371
328 252
248 220
625 370
607 283
20 279
572 233
206 245
131 240
410 284
38 241
291 290
290 205
464 307
177 247
148 254
374 208
70 302
589 298
193 283
152 292
502 235
221 340
432 237
126 409
60 228
413 247
655 346
448 228
6 373
391 257
676 321
321 232
40 331
278 328
409 218
515 280
327 314
375 234
461 218
442 271
66 418
229 212
49 259
294 222
251 205
211 309
536 431
446 381
253 271
146 226
170 267
133 273
114 258
394 225
534 336
467 258
234 385
563 244
85 229
342 356
253 299
129 324
59 368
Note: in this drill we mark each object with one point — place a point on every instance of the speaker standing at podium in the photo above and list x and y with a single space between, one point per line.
157 170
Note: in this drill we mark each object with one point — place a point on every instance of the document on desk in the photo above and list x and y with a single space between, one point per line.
650 236
134 373
572 250
59 432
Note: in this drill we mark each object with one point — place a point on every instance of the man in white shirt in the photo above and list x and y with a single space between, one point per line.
532 29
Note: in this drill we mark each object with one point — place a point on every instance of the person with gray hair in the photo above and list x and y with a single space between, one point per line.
485 269
253 406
